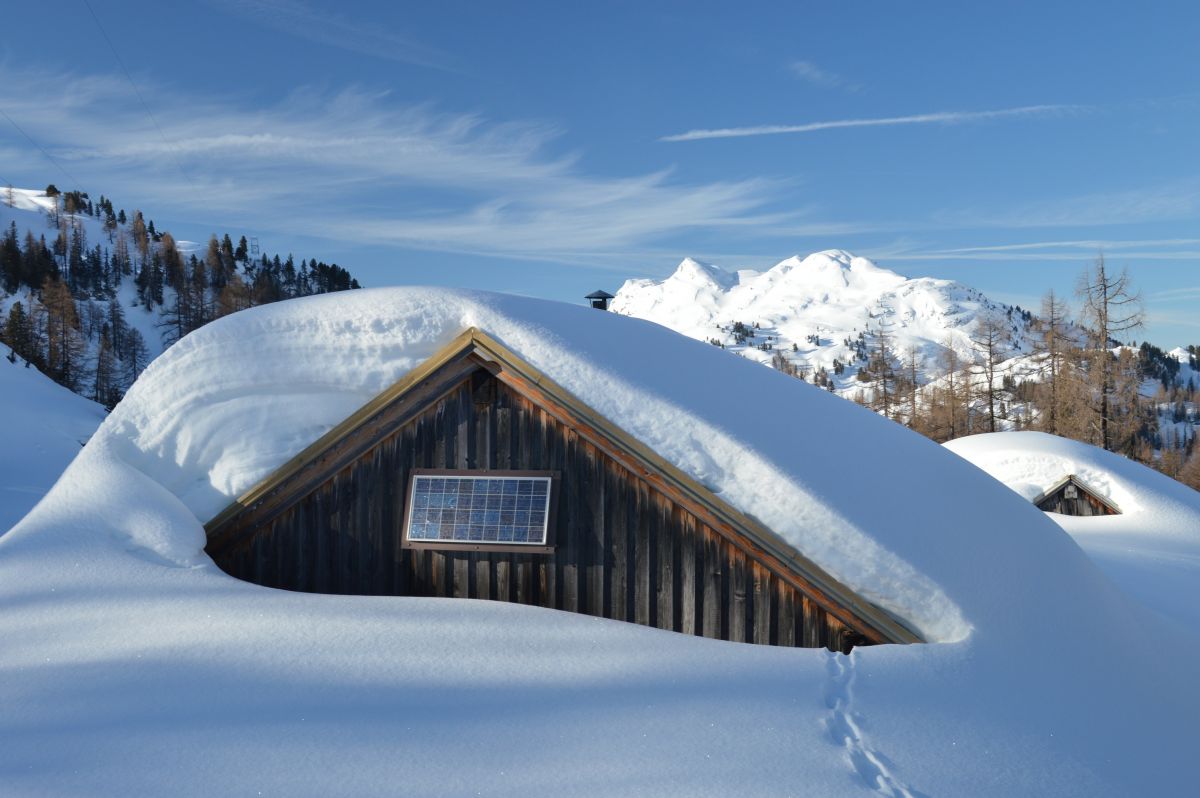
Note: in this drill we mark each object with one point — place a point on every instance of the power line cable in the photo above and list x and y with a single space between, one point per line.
141 99
53 160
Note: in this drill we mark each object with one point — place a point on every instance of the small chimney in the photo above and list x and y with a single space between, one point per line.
599 299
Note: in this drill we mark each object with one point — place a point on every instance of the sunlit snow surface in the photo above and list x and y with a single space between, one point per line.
131 665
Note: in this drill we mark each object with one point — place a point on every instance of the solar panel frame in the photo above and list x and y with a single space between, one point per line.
461 475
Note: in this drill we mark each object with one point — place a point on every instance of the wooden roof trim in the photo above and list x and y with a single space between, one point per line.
514 370
1083 486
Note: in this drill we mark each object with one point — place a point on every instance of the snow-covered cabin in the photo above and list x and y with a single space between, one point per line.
1073 496
1140 526
478 476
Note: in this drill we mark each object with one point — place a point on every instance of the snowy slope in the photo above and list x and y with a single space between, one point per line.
45 425
830 295
133 666
1152 549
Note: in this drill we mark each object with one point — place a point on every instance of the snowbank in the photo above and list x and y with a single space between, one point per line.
1152 549
131 665
45 426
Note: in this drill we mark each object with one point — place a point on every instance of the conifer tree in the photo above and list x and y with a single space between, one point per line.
104 386
18 335
136 356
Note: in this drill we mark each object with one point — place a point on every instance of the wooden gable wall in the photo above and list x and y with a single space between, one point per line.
1085 502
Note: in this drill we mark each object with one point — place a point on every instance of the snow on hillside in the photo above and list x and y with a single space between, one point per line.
133 666
45 426
31 212
1152 549
817 304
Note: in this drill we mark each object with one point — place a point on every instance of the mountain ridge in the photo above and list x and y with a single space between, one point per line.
821 311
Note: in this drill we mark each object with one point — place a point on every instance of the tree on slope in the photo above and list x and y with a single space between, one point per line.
1110 308
990 352
1054 349
64 344
948 400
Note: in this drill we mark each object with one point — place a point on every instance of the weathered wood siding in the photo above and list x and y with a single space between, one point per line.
623 549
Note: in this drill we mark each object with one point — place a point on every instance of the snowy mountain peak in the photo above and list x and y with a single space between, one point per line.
833 268
819 311
694 272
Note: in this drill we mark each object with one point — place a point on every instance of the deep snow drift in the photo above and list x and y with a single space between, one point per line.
131 665
1152 549
45 425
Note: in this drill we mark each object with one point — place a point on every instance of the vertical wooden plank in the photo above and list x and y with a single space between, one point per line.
386 531
663 564
690 602
405 454
643 538
523 569
347 543
502 452
363 487
739 607
482 587
593 495
836 635
464 434
323 554
503 581
762 606
259 556
621 499
810 623
440 433
787 615
568 512
460 564
300 527
710 578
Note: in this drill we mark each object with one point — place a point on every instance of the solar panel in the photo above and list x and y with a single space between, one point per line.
510 509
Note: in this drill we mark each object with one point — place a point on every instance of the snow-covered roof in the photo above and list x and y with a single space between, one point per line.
133 665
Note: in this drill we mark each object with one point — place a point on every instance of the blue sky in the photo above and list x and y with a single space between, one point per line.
554 148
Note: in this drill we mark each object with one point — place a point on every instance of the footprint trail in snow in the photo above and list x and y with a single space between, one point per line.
845 732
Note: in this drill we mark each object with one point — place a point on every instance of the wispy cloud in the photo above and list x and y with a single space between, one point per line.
1183 318
1186 294
1093 245
1179 199
358 167
939 118
298 18
814 75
